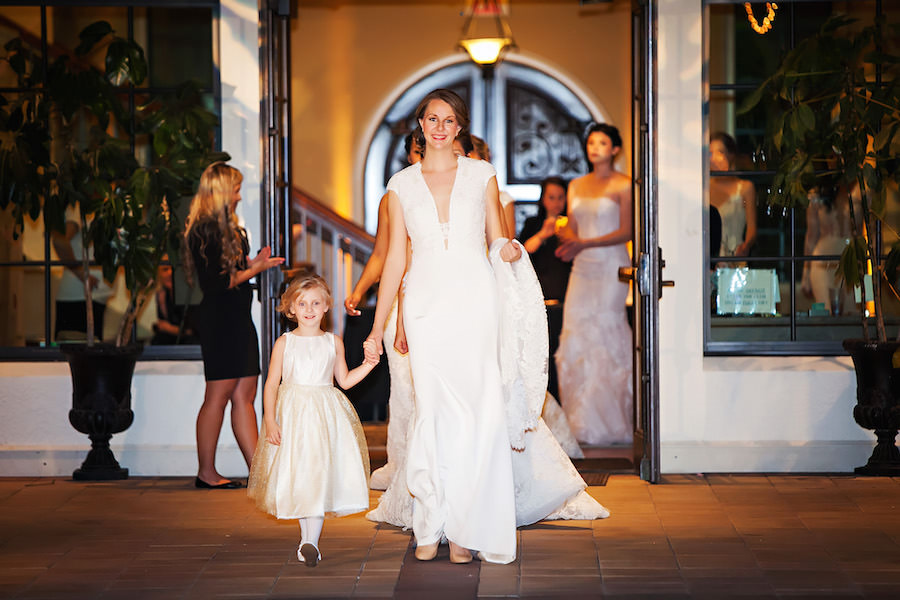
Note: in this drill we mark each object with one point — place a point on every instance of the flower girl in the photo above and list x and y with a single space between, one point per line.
311 459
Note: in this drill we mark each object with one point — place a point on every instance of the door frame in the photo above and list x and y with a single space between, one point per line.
648 263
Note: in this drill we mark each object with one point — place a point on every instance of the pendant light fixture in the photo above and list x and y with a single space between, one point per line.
485 34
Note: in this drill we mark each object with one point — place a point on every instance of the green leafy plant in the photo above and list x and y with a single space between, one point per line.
833 121
67 141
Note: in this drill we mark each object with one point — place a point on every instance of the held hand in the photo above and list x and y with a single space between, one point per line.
273 433
510 252
569 249
376 337
351 303
370 352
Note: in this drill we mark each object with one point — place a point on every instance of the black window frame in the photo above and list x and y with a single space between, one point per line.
796 261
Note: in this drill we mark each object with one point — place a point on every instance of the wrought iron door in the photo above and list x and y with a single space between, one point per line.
647 264
275 67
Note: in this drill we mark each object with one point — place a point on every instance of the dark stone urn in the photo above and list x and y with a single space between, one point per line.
877 401
101 403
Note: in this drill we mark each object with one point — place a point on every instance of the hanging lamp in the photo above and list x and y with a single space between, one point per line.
485 34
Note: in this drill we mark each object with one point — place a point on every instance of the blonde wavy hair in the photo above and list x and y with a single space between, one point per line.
298 286
213 202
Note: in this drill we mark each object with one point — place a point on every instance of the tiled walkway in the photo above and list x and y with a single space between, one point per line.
691 537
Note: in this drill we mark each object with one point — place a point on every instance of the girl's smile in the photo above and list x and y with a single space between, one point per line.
310 307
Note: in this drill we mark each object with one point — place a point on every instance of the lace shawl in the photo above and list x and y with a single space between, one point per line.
524 344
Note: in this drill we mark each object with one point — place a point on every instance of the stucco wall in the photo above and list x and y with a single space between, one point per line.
728 413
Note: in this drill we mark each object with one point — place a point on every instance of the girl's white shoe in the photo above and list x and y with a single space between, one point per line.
308 554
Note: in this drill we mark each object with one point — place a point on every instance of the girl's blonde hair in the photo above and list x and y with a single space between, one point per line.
213 202
298 286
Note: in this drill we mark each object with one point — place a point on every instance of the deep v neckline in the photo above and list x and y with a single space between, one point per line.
437 215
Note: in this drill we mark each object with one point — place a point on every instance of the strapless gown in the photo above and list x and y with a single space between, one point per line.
594 359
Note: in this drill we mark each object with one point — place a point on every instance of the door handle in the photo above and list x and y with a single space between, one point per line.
641 274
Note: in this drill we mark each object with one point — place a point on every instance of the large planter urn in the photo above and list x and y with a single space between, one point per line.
877 401
101 403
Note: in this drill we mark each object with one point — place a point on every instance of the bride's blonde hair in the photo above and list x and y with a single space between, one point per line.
213 202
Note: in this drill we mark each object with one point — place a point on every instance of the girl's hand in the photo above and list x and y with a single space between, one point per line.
376 337
370 352
510 252
570 248
265 261
351 303
273 433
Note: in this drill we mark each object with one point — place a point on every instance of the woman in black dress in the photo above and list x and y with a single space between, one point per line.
217 257
538 235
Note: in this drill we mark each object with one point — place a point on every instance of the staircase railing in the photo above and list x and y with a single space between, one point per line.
334 247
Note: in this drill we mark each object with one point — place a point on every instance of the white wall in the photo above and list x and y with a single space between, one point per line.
728 413
35 398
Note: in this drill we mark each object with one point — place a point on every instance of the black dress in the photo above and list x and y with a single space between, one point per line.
552 272
228 340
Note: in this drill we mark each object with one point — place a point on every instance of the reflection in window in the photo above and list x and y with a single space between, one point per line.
41 301
812 310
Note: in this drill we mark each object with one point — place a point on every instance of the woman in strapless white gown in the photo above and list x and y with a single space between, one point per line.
828 232
733 197
594 359
459 473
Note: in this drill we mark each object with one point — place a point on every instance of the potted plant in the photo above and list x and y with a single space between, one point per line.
60 149
834 123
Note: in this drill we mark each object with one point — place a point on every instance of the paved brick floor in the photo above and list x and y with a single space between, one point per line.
749 536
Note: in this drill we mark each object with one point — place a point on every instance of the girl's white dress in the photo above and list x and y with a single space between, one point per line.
593 361
322 465
458 478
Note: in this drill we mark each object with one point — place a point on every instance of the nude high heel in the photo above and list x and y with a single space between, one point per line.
426 552
459 555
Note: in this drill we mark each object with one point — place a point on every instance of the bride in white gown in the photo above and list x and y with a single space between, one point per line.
458 478
594 359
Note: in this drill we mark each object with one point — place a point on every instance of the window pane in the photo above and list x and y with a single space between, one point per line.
22 306
64 23
748 129
19 22
172 35
544 139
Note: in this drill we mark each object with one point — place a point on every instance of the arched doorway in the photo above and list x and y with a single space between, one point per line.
531 119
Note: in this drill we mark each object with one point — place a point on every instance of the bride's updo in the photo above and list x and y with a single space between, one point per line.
450 97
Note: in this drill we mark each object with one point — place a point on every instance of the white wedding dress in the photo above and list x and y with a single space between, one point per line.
594 358
458 481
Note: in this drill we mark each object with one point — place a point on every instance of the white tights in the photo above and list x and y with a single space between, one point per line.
311 530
